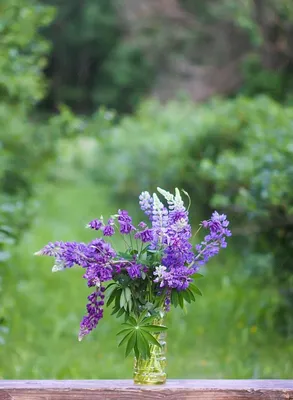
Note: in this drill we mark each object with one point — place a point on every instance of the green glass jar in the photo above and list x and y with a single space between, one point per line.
153 370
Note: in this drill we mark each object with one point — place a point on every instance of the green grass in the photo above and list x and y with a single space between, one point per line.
228 333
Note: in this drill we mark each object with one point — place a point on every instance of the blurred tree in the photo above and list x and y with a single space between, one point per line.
112 52
89 65
26 145
23 149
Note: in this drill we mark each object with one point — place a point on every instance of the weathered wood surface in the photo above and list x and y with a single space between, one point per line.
126 390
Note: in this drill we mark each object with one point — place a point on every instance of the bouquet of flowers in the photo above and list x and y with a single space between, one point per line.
157 270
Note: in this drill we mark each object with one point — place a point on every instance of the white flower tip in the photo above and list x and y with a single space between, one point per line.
38 253
80 337
57 268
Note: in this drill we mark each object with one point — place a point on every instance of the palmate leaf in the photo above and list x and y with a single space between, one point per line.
128 325
132 321
142 345
124 331
142 316
137 335
131 343
147 320
125 338
154 328
150 338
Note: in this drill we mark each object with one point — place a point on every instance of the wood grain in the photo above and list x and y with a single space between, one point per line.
126 390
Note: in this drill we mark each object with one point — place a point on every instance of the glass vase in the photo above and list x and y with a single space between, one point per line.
153 370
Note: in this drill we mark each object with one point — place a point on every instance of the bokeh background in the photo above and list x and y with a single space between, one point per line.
102 99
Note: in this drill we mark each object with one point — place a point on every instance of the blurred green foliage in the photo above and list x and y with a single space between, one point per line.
27 146
23 148
21 86
90 65
257 181
101 55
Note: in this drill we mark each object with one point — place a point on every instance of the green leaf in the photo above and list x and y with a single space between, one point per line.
123 331
127 294
155 328
126 256
197 276
120 312
129 305
195 289
123 298
192 297
147 320
180 300
110 284
132 320
117 302
144 250
126 337
127 325
143 345
150 338
111 297
131 343
186 296
174 298
136 352
142 316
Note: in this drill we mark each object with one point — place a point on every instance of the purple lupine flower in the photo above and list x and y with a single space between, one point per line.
159 222
215 240
169 234
145 236
178 251
95 224
101 250
125 222
134 271
67 254
94 314
51 249
108 230
176 278
97 273
167 302
146 203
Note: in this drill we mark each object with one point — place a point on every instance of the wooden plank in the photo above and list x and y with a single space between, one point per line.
126 390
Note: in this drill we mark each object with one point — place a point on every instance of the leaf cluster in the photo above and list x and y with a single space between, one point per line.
139 334
178 298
